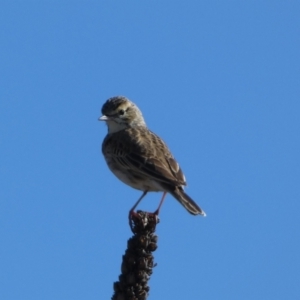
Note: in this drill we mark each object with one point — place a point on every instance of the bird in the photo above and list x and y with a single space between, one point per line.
140 158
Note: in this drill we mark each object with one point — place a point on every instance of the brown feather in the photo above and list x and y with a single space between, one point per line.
141 151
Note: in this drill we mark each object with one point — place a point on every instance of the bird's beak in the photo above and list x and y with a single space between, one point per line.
103 118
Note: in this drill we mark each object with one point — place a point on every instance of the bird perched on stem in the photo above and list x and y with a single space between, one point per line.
140 158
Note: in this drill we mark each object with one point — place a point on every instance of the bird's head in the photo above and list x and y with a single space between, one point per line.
120 113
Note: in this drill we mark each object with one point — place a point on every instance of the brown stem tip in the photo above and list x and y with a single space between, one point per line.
138 260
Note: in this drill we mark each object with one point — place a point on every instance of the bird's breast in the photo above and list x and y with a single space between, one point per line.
135 181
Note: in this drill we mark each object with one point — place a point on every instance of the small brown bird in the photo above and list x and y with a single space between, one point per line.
140 158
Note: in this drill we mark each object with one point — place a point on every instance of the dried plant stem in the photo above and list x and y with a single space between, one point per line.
138 261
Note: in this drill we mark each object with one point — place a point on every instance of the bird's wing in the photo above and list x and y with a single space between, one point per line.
145 154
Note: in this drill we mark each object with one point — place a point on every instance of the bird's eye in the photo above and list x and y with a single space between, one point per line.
121 112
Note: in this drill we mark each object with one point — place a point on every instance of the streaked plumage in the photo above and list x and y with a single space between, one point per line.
138 157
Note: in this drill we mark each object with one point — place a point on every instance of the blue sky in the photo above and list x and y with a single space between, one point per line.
217 80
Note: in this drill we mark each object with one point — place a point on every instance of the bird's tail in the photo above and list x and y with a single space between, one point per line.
187 202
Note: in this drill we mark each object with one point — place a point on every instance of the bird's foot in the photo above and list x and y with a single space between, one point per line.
141 217
131 216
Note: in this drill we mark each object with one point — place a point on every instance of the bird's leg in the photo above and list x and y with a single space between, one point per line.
137 202
132 212
160 203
